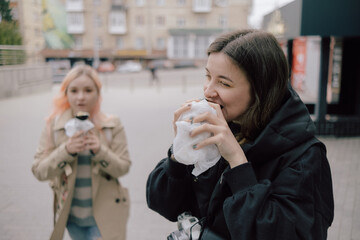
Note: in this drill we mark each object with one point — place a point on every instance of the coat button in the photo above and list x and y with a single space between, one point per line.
124 199
117 200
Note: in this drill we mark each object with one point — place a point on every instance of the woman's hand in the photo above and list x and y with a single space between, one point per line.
185 107
221 136
76 143
92 141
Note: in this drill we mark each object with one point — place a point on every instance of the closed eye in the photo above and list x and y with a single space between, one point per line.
224 83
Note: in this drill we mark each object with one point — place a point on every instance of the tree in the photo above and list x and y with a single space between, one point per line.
5 11
9 30
9 34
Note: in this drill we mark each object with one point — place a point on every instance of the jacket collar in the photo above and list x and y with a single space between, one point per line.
62 119
291 126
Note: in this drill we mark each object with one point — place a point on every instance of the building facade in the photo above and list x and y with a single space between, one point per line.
28 15
145 29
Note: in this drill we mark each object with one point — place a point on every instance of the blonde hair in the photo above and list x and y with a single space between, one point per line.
61 103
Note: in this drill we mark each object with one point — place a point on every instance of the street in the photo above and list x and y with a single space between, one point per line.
146 111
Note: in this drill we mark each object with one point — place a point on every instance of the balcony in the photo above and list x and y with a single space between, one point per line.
74 5
118 5
75 23
117 22
202 6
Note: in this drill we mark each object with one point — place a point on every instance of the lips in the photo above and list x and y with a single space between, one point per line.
221 106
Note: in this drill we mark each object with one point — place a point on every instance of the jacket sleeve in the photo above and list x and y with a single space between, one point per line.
114 159
50 161
169 191
289 207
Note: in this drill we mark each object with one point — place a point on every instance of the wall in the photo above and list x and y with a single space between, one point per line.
24 79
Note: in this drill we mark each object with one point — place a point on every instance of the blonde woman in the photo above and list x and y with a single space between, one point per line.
83 169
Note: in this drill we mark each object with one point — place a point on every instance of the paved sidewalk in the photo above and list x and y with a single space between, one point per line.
146 112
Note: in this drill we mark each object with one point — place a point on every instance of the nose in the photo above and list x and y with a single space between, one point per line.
81 95
210 90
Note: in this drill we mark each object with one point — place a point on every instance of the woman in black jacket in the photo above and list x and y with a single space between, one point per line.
273 180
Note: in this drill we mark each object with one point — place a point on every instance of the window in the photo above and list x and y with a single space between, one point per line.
117 19
139 20
180 2
202 5
160 43
222 21
75 22
221 3
117 2
76 19
201 45
160 3
97 2
120 43
140 3
97 21
180 22
99 43
74 5
180 46
160 20
77 42
117 22
201 21
139 43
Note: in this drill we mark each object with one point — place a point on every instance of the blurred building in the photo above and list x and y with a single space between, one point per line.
28 15
99 30
322 41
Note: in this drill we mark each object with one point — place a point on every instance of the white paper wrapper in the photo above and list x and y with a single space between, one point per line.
203 158
74 125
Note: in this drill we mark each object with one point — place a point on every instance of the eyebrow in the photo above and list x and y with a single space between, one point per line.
221 76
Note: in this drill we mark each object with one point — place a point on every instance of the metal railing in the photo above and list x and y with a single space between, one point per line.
17 80
12 54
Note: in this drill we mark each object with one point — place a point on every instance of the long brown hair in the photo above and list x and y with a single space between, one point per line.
260 56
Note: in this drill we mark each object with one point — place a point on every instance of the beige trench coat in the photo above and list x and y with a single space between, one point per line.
110 200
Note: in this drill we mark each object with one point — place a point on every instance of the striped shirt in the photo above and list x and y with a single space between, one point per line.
81 211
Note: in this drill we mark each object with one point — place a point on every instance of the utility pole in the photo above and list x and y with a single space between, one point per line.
96 60
149 30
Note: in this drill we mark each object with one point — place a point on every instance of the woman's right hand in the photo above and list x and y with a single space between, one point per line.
185 107
76 143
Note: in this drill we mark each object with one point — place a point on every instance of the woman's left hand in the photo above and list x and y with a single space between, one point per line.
92 141
221 136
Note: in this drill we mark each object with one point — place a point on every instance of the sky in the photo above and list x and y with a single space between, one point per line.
263 7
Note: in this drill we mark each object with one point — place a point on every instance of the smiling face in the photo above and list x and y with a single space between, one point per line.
227 85
82 94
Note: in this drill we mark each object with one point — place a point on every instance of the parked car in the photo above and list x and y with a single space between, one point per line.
162 64
185 64
59 69
106 67
129 66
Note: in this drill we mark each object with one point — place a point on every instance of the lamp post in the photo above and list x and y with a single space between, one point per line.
96 60
149 30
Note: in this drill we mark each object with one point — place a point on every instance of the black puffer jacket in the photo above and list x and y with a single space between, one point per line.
284 192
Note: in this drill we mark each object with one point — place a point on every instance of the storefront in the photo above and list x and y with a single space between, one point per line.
322 42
